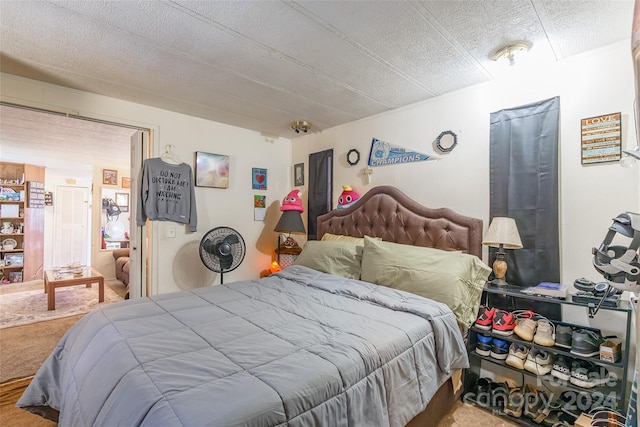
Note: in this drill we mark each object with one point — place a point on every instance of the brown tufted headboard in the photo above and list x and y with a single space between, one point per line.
388 213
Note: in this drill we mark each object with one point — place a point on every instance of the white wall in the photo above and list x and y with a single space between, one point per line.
231 207
597 83
593 84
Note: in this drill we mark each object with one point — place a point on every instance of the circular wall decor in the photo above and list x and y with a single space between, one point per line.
353 157
446 141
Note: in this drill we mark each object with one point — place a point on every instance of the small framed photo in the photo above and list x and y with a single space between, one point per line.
109 177
212 170
15 276
258 179
122 200
298 174
126 182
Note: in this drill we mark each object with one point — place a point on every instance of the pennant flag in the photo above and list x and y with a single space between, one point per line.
382 154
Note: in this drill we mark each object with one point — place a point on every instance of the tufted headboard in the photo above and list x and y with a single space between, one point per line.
388 213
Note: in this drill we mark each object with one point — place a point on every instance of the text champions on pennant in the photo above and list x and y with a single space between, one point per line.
382 154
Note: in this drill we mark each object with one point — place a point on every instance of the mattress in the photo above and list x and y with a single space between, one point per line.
298 348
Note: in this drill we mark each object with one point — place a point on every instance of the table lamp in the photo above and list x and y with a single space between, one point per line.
502 233
291 219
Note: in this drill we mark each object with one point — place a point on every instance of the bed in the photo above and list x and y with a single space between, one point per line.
301 347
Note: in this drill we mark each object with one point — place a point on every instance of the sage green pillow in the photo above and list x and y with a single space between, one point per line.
338 257
452 278
358 240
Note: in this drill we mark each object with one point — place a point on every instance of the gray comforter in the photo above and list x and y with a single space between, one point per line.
298 348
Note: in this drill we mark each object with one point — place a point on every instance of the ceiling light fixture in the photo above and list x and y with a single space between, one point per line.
510 52
301 126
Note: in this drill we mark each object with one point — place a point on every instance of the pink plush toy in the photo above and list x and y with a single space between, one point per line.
347 198
292 202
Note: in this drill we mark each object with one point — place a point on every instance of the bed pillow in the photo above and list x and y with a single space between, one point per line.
452 278
337 257
358 240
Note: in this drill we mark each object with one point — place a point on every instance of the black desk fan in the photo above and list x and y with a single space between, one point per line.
222 249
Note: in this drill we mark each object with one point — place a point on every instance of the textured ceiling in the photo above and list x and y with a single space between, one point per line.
263 64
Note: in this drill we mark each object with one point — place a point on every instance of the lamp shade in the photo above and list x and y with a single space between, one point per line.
503 231
290 222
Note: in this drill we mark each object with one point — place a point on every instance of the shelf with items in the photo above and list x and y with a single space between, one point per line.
611 394
21 220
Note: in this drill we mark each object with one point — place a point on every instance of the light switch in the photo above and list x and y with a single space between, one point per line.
171 231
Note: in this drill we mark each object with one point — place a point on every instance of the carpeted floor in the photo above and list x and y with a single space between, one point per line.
28 303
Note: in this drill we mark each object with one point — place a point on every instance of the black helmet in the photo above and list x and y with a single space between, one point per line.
619 265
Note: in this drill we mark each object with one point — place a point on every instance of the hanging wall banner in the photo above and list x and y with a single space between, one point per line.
382 154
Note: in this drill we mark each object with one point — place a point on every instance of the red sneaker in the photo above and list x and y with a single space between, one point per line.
503 322
485 317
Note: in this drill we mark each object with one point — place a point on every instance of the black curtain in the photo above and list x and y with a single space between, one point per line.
524 186
320 189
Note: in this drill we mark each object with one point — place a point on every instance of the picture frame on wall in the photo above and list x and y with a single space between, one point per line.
298 174
109 177
122 200
601 139
212 170
258 179
126 182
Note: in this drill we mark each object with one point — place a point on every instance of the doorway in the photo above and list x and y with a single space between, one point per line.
74 152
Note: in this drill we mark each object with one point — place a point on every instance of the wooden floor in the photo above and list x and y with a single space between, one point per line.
10 416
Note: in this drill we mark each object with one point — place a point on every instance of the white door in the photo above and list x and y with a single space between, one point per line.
138 273
71 218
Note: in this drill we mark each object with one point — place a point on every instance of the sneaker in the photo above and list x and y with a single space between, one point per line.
515 402
525 328
485 318
503 322
539 362
499 349
517 355
545 333
562 368
563 336
483 345
587 375
586 343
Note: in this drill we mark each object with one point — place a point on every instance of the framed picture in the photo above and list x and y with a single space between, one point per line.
109 177
122 200
601 138
298 174
126 182
15 276
259 179
212 170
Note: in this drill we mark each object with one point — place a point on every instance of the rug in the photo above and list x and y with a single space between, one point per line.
31 306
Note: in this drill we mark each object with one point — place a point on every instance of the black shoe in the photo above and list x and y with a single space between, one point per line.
588 375
499 395
562 368
586 343
563 336
499 349
482 392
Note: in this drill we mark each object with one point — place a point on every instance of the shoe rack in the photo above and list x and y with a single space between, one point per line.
612 394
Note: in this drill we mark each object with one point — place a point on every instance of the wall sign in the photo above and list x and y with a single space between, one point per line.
601 139
35 194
